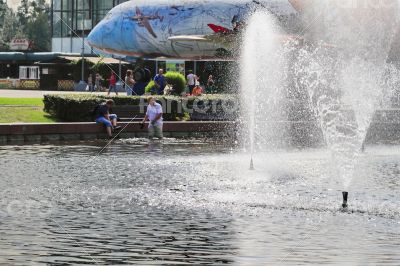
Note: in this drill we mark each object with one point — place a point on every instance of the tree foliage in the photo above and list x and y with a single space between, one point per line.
31 20
8 25
38 30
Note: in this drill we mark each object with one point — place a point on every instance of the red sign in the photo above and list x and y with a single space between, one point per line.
20 44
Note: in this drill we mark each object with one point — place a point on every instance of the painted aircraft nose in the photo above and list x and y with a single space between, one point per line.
106 36
95 37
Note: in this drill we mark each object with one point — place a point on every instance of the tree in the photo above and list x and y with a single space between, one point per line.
38 30
8 26
22 15
34 21
3 10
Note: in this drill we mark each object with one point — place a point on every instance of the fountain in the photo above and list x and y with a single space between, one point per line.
262 77
342 69
347 86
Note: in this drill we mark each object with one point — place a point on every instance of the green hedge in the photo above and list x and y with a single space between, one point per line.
150 88
71 108
79 107
175 79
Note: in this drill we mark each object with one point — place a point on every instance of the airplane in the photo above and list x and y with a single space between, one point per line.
143 21
196 29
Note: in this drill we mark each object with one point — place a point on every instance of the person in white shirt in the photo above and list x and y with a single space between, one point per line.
191 81
154 115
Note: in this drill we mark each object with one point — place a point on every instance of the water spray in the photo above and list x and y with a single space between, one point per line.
345 194
363 147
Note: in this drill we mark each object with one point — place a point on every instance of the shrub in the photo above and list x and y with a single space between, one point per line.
175 79
150 88
71 108
79 107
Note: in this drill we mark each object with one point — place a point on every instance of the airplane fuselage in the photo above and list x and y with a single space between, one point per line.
145 30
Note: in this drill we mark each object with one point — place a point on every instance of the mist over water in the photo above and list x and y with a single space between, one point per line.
346 77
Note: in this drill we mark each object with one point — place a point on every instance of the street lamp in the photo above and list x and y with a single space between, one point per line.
82 84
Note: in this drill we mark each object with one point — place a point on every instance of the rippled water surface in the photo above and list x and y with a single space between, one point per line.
193 202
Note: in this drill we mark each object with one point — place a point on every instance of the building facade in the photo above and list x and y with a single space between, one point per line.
72 19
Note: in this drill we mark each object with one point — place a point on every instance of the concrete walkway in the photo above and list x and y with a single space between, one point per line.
39 94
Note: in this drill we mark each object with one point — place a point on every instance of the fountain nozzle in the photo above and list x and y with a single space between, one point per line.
251 164
345 194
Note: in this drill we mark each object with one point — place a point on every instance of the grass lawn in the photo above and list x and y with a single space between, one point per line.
22 101
23 110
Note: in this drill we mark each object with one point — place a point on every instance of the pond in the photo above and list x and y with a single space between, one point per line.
182 202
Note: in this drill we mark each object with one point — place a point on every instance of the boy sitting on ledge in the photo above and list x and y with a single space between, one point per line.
104 117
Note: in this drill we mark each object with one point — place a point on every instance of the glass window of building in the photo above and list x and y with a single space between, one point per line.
66 5
101 9
57 24
57 5
72 18
83 16
66 24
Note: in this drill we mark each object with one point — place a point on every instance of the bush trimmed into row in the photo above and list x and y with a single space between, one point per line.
79 107
70 107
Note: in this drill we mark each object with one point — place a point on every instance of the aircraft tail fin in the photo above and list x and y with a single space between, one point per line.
218 29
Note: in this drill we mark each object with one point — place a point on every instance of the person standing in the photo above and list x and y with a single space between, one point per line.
191 81
197 91
90 83
129 82
113 83
154 115
210 84
97 82
197 80
159 82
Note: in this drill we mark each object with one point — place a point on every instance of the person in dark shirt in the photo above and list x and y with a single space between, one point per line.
90 83
160 82
104 117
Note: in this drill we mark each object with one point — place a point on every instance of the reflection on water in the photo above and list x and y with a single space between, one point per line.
177 202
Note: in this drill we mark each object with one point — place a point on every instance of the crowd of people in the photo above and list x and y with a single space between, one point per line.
103 114
194 86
